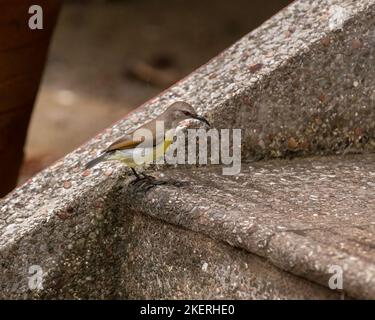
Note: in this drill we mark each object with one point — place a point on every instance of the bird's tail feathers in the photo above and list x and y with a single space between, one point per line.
95 161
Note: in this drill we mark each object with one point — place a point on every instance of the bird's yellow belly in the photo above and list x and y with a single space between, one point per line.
140 156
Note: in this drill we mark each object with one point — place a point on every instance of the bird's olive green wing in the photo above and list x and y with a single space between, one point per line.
126 142
129 142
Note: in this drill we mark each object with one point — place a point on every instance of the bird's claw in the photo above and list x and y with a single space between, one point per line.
146 182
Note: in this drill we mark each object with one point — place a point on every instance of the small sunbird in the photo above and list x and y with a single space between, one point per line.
132 146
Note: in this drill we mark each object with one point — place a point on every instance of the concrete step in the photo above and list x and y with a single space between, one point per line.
273 232
303 216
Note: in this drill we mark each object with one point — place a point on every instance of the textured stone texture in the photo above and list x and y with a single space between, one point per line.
295 215
303 215
300 84
166 262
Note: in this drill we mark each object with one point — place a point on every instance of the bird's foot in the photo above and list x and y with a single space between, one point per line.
146 182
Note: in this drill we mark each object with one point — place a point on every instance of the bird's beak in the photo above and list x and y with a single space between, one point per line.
202 119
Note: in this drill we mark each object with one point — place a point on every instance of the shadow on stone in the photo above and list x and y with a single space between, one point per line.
147 182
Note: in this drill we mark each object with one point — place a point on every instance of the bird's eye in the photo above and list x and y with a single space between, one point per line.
186 113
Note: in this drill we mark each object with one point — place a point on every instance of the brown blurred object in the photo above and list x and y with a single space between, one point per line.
22 57
150 74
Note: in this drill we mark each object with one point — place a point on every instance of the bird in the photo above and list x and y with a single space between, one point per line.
129 146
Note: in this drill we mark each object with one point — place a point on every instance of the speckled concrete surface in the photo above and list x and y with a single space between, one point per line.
303 215
300 84
166 262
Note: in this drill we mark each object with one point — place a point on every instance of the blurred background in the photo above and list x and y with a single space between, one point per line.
108 57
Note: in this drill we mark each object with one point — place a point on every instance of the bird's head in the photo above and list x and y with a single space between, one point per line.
180 111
